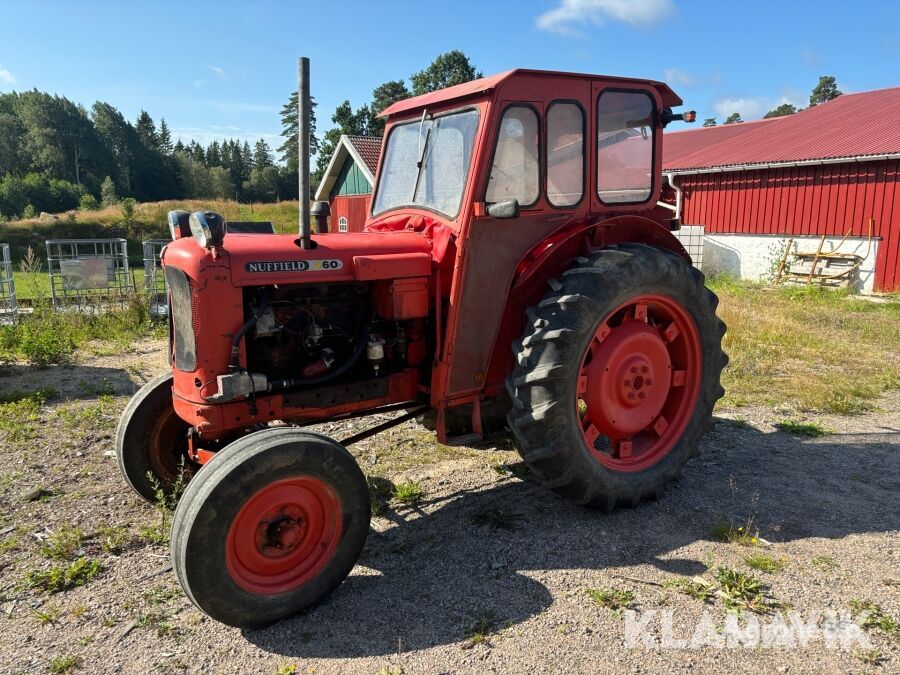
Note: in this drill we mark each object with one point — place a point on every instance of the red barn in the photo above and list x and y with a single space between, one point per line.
347 183
826 170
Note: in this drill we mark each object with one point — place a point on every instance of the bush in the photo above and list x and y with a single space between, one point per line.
87 202
127 205
44 340
28 212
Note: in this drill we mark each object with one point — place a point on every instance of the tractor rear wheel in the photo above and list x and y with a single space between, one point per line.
616 375
152 441
272 525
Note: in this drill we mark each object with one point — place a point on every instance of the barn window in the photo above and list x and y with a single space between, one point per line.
624 146
514 172
565 154
342 224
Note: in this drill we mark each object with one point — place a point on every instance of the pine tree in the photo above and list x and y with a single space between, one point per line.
146 130
733 118
447 69
164 138
108 194
709 122
262 155
825 90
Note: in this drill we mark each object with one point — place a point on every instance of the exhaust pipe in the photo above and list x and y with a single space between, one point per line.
303 123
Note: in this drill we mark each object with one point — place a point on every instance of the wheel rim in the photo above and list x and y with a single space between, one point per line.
167 447
284 535
638 382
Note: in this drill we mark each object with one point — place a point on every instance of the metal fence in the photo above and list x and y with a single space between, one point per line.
691 237
154 280
88 274
8 305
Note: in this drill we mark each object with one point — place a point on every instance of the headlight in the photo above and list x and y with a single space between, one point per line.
208 228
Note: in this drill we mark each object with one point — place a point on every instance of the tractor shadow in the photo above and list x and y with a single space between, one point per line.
67 382
427 580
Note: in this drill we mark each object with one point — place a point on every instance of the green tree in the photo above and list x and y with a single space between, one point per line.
12 155
146 130
108 194
781 111
733 118
447 69
288 149
349 122
383 96
262 155
709 122
825 90
164 137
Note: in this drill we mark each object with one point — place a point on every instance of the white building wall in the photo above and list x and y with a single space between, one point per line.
754 256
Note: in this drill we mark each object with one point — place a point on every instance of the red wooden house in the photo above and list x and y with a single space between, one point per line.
348 180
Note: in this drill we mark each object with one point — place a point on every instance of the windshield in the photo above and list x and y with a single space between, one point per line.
426 163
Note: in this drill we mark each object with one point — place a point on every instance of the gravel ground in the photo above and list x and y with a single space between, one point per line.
489 573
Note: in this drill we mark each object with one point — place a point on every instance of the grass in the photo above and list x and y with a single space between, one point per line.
481 629
47 615
808 349
765 563
19 419
699 589
62 577
494 518
825 561
612 598
875 617
62 544
408 492
731 534
165 498
64 664
113 539
741 591
807 429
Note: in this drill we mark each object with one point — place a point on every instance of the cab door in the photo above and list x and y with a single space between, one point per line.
492 248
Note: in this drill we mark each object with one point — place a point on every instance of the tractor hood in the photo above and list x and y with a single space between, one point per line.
260 259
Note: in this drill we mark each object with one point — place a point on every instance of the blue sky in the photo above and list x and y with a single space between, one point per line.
223 69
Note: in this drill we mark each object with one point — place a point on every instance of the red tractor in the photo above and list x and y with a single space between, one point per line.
513 265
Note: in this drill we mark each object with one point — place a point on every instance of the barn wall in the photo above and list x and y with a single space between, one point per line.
756 256
352 207
813 200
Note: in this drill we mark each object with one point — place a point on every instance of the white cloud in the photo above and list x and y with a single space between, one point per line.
570 15
753 107
238 106
679 78
6 77
220 72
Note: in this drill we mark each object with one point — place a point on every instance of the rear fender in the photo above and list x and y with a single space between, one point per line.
549 260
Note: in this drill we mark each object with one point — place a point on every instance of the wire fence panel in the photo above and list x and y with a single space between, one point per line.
89 274
8 307
154 280
691 237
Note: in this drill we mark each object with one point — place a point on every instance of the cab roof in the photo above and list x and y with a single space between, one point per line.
486 84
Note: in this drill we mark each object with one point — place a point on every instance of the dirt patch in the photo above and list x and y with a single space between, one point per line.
487 572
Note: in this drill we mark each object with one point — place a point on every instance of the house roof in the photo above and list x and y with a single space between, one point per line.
850 126
484 84
364 150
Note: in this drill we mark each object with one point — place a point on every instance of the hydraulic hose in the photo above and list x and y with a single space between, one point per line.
236 342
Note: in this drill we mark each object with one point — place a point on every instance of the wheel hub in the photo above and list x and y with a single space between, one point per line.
638 383
284 535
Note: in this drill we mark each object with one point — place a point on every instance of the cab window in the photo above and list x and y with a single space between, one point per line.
515 170
624 147
565 154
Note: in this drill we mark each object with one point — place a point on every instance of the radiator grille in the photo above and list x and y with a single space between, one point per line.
184 322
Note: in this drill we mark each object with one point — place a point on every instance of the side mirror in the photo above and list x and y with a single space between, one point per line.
178 224
509 208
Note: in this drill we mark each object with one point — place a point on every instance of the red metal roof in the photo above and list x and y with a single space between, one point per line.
852 125
369 148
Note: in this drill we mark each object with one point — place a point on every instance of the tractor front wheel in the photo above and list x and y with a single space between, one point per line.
152 441
272 525
617 375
